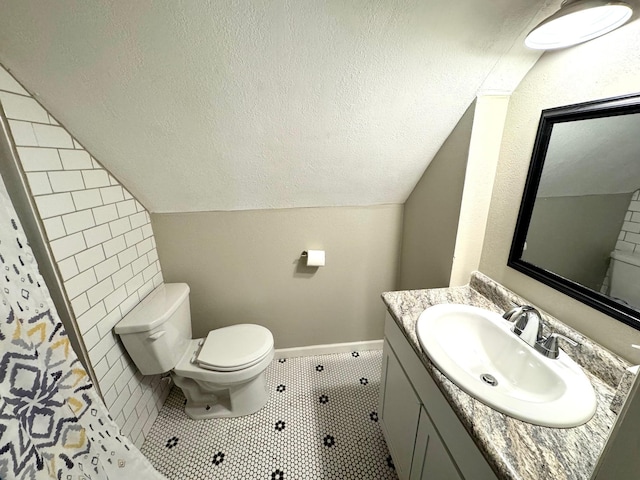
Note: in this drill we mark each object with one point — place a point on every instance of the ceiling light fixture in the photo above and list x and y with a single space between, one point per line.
578 21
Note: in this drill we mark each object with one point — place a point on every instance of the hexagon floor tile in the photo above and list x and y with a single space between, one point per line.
321 422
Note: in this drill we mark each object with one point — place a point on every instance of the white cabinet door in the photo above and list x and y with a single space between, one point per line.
431 459
400 413
458 445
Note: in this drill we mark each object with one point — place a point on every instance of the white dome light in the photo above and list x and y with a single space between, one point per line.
578 21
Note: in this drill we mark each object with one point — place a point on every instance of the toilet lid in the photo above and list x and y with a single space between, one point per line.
235 347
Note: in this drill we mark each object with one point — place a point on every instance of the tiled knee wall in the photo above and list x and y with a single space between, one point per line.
629 239
102 241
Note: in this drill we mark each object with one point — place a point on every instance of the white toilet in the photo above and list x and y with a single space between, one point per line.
625 277
222 375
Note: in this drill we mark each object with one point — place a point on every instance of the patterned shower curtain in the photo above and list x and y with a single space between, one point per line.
53 424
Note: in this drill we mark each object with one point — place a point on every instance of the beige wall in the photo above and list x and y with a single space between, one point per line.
602 68
431 213
244 266
484 149
620 459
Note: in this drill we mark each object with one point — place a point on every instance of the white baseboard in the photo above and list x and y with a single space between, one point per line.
326 349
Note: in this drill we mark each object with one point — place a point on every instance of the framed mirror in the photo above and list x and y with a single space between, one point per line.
578 228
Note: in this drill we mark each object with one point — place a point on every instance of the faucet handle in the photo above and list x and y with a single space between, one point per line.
549 346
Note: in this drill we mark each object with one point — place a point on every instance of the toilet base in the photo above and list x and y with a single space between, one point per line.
206 400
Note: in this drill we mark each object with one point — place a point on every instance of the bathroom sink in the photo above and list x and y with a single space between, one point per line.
476 350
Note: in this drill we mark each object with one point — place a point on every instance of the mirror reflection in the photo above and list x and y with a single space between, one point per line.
587 204
579 224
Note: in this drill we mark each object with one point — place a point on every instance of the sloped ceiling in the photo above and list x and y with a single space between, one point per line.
231 105
596 156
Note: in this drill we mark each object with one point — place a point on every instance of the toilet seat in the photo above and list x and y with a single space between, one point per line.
188 367
234 348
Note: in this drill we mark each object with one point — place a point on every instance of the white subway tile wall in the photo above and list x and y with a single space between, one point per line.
102 241
629 239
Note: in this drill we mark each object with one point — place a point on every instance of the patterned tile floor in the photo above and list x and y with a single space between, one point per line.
321 422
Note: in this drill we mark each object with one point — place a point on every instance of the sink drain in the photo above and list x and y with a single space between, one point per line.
489 379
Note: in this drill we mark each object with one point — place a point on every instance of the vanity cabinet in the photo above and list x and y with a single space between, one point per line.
431 459
424 435
400 414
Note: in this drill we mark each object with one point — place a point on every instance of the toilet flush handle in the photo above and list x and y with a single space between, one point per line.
157 335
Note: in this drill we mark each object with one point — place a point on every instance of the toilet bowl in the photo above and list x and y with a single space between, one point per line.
625 277
222 375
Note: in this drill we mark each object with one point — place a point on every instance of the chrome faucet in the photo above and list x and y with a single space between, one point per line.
528 326
527 323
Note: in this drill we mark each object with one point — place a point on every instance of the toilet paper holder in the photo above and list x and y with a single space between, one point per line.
315 258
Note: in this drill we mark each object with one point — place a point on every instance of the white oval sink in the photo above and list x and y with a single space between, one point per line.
469 343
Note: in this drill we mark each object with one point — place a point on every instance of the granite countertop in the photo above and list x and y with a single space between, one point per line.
515 449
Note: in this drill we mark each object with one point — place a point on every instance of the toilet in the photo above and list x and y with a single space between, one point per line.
625 277
222 375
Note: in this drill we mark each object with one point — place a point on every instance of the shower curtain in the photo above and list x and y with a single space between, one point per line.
53 424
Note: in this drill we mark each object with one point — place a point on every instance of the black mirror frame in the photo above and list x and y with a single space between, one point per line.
599 108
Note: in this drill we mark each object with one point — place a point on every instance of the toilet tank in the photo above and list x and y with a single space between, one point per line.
625 277
157 331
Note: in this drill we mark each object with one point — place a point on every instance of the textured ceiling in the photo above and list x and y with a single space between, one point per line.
231 105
